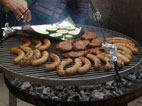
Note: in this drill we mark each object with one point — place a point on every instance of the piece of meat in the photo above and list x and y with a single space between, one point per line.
75 54
65 45
89 36
96 51
96 42
80 45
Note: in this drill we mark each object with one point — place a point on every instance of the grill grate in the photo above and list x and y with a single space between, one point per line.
39 76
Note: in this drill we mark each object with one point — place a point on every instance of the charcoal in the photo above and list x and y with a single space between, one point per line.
107 96
115 93
131 77
25 85
98 95
109 83
140 77
39 89
137 74
55 98
60 88
109 87
46 90
118 91
76 97
65 96
18 84
65 90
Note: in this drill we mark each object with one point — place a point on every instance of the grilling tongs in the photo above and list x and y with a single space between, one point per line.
8 30
110 49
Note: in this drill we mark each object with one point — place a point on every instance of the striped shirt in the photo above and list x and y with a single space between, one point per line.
49 11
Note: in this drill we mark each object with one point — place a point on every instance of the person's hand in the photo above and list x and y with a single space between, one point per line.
17 8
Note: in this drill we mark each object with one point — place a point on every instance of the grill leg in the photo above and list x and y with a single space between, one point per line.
12 100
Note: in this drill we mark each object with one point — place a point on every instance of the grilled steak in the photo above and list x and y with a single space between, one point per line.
80 45
65 45
96 51
75 54
89 36
96 42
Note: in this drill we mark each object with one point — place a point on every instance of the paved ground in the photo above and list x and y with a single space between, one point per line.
4 97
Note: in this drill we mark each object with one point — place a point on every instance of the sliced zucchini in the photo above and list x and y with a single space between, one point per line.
68 36
44 32
74 33
63 31
70 28
56 35
52 29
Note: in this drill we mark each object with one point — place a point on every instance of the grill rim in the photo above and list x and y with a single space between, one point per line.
76 81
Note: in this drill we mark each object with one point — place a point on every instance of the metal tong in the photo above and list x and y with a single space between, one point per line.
110 49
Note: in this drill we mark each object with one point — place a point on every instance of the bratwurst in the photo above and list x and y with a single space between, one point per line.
20 54
56 62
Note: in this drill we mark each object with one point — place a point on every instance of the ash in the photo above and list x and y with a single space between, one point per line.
83 93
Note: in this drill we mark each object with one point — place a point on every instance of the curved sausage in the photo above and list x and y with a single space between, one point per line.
37 42
29 52
96 60
119 38
86 67
41 60
60 67
27 42
131 47
120 41
105 58
36 55
125 49
20 54
124 58
46 45
56 62
124 53
72 70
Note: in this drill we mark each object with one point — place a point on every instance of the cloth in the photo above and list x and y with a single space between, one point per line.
50 11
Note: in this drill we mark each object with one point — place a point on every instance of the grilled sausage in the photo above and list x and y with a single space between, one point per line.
46 45
124 58
131 47
119 38
20 54
60 67
27 42
120 62
29 52
97 62
124 53
53 65
41 60
85 67
36 55
72 70
125 49
37 42
120 41
105 58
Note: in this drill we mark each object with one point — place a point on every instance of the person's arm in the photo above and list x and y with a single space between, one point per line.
17 8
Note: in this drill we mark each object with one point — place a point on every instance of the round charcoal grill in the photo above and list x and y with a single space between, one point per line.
38 75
